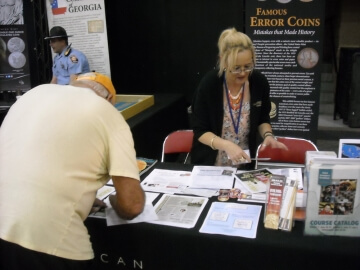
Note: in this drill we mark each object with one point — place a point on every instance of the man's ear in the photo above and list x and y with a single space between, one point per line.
110 99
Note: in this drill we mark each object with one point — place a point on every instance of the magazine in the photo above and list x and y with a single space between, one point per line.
254 181
333 206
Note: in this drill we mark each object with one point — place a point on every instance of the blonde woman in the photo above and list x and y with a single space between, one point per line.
231 106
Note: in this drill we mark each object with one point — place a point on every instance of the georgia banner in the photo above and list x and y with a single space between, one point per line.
86 21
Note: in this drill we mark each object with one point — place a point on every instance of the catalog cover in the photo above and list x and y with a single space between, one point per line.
333 198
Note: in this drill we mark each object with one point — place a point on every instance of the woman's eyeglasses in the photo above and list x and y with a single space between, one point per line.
238 69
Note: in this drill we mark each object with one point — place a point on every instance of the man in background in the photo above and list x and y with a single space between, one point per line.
60 144
68 62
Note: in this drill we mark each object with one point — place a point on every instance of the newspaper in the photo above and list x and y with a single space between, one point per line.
179 211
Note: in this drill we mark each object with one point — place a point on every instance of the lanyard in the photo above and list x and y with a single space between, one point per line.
237 124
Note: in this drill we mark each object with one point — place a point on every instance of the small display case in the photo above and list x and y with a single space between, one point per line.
130 105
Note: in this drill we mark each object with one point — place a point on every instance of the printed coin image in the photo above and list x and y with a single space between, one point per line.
273 112
17 60
2 50
16 44
283 1
308 58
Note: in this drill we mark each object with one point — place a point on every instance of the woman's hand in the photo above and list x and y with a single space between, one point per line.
236 153
270 141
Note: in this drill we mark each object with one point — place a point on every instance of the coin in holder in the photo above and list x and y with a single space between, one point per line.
234 193
224 195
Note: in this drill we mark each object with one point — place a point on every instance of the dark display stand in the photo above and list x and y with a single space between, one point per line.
151 126
354 109
343 85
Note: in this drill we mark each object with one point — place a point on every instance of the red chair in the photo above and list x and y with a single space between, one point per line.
177 142
294 157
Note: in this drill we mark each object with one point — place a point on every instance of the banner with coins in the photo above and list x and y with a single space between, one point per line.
288 38
14 59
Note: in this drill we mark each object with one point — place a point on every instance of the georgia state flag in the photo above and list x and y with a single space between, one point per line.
58 7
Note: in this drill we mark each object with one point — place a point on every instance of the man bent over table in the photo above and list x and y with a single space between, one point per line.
60 144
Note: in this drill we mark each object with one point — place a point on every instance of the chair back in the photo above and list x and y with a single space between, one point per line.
295 155
177 142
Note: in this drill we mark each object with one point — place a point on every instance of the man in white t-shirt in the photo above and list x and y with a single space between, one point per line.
58 145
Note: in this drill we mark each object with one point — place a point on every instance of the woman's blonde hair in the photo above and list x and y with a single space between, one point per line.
230 43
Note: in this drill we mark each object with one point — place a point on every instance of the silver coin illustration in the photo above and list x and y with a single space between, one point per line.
16 44
17 60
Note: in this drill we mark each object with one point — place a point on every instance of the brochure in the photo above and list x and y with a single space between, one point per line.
333 202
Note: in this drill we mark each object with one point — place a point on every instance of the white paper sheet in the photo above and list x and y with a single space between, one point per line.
166 181
147 215
232 219
104 192
212 177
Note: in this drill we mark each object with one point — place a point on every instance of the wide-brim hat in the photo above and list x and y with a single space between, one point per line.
57 32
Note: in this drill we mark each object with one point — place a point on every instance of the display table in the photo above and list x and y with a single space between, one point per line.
150 246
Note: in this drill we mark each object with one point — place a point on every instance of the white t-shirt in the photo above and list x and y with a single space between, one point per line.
58 146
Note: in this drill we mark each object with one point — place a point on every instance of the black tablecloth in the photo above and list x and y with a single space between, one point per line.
150 246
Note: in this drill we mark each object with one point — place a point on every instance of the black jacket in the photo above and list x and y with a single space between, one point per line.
208 114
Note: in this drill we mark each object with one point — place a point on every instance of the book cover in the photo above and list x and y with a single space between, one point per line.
145 164
333 206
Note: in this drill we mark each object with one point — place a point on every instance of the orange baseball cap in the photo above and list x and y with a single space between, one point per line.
100 78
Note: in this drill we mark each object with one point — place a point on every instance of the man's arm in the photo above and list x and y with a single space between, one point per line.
53 80
129 199
73 78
